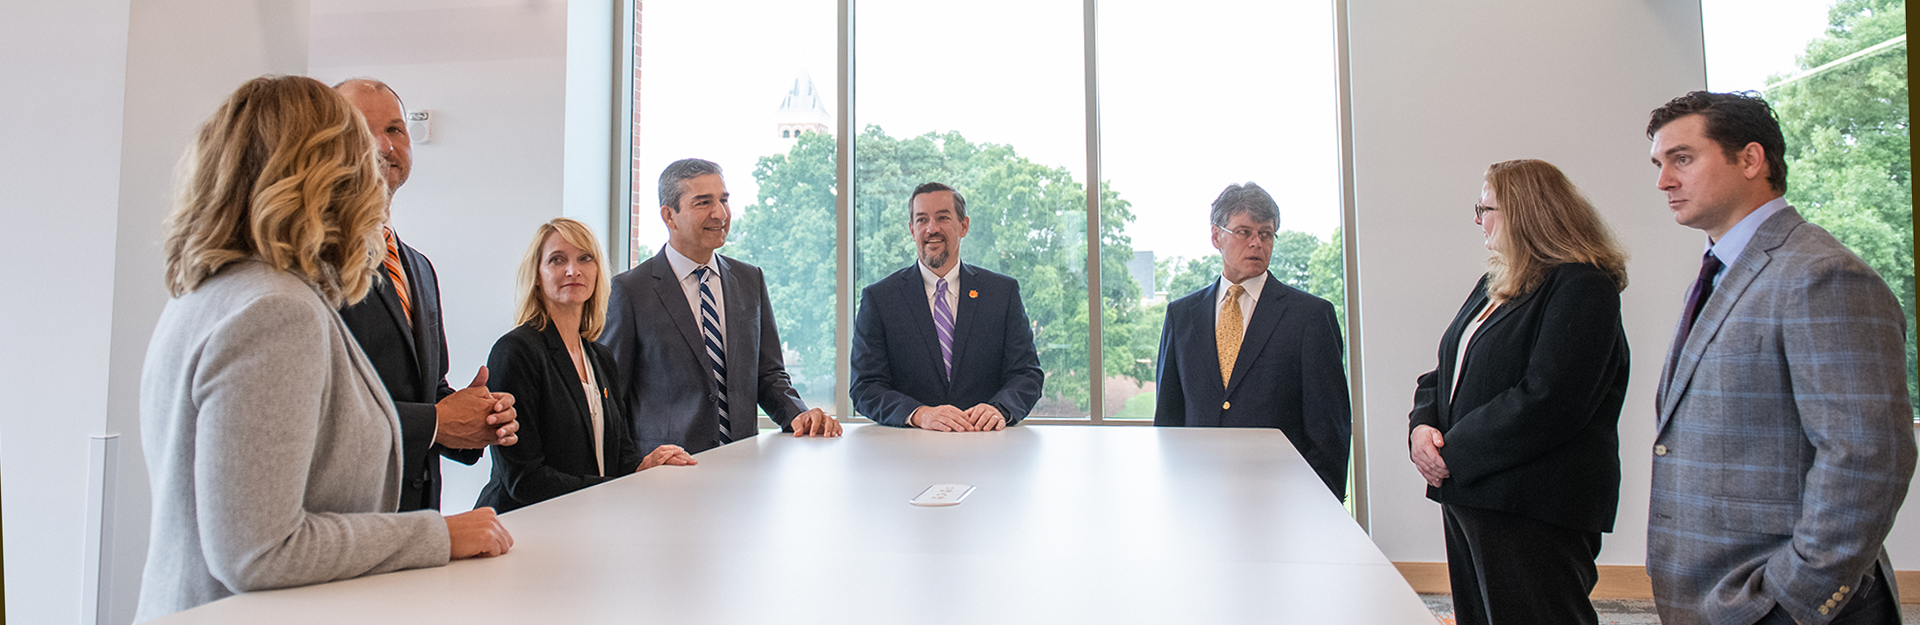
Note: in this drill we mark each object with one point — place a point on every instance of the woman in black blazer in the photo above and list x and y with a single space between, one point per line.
573 428
1517 435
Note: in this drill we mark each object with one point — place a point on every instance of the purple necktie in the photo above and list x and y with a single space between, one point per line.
943 322
1702 289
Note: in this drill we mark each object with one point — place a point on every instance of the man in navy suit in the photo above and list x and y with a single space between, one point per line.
1250 352
399 328
942 345
692 331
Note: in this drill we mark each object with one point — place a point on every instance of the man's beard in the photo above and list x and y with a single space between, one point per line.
934 260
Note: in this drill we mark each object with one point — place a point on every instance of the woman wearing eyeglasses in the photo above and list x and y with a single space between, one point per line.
1516 430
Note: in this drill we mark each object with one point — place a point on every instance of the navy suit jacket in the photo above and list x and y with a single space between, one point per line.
555 453
1288 376
411 356
896 351
662 357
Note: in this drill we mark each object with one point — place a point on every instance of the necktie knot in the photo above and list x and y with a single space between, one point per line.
1236 291
1710 266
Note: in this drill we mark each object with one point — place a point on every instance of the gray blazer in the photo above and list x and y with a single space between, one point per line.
669 384
270 444
1785 440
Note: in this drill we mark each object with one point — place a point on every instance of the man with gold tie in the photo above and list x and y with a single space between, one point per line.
399 328
1248 351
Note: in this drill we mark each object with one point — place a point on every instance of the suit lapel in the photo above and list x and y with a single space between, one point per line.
666 286
1266 315
742 361
1683 359
424 308
912 290
558 358
1450 362
965 309
1207 338
385 290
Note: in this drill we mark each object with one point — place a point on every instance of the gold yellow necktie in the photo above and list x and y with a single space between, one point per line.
1227 333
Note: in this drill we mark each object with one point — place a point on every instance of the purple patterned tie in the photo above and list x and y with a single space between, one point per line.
1702 289
943 322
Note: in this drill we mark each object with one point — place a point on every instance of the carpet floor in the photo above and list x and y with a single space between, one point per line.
1618 611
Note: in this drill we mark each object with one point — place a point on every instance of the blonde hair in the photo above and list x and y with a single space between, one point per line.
283 172
1545 221
533 300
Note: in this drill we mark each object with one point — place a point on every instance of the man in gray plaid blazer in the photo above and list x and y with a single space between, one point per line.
1784 441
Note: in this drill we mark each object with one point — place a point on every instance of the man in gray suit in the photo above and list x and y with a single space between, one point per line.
1784 442
693 333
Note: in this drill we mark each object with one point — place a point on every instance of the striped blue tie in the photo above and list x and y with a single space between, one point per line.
943 323
716 351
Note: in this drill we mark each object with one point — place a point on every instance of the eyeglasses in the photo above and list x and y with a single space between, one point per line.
1480 210
1243 234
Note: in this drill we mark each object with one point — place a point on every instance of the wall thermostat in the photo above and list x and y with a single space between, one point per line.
420 126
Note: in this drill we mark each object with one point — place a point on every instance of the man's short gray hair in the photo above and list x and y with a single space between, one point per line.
1246 198
674 177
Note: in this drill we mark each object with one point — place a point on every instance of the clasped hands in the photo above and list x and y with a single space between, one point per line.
473 417
1426 442
980 418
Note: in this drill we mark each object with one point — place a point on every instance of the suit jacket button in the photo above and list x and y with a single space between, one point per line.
1845 589
1226 405
1659 450
1838 596
1823 610
1831 603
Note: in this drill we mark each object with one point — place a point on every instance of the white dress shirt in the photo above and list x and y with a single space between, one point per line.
953 289
683 270
1247 299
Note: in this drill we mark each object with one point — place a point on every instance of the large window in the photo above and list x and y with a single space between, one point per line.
1836 75
994 98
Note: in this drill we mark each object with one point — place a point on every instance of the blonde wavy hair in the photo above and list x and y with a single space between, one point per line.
283 172
533 300
1545 221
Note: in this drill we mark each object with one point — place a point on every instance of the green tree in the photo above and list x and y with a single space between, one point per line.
1849 157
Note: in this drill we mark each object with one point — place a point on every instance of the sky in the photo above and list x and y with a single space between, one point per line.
1181 115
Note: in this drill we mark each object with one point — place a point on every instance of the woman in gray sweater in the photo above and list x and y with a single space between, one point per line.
273 449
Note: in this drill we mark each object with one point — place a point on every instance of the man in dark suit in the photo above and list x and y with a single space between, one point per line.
1783 442
941 349
693 333
398 326
1250 352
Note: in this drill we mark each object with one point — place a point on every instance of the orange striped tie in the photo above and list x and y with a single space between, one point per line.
397 274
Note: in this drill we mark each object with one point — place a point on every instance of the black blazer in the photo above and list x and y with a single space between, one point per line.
1533 427
1288 375
411 356
896 351
555 453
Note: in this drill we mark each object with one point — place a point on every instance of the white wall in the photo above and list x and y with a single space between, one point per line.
1439 91
495 75
112 90
64 68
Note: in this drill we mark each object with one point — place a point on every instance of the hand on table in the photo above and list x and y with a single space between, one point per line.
472 417
477 534
815 422
986 418
941 419
1426 443
666 454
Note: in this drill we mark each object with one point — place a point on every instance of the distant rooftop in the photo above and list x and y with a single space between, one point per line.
803 98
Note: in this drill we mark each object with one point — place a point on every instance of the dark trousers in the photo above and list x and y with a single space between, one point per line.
1510 569
1874 604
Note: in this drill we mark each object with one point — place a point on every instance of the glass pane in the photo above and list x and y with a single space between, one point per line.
1217 93
961 94
1849 156
749 84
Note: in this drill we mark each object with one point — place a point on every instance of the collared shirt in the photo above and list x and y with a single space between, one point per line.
1247 299
683 270
953 287
1731 244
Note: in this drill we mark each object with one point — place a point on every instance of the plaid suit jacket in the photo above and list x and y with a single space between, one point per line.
1784 442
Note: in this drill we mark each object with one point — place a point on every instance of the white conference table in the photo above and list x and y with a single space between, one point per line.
1067 524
